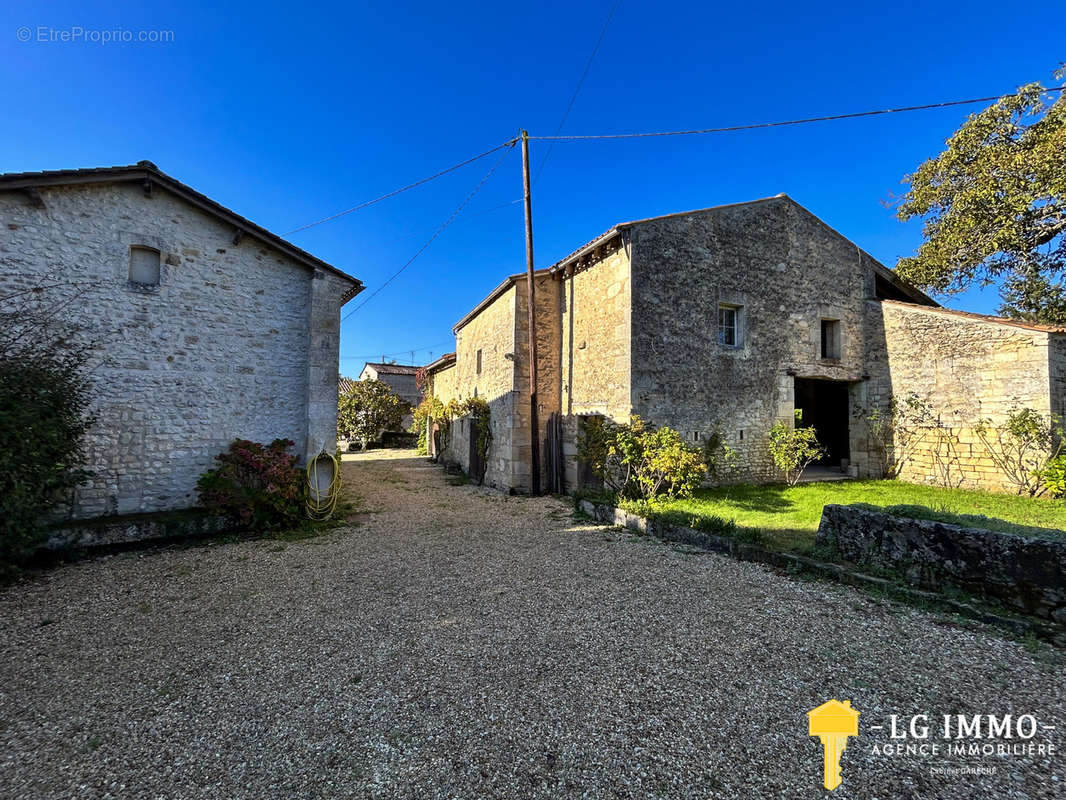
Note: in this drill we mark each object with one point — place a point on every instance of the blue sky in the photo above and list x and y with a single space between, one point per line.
289 113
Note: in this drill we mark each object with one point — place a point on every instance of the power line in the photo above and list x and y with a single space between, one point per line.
783 123
405 351
577 90
461 218
439 230
395 192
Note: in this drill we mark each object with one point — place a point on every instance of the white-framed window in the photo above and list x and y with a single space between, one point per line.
830 338
729 325
144 266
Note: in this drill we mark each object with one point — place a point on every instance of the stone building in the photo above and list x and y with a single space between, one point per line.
205 327
401 377
727 319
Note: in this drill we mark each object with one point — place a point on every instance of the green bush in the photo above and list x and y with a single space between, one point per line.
477 408
44 416
1053 477
44 400
257 485
420 423
1023 447
793 449
637 461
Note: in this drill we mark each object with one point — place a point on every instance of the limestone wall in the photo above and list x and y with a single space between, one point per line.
444 384
595 334
785 270
595 354
493 333
1057 372
548 331
967 368
235 341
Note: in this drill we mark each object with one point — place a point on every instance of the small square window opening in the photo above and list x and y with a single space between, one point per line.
144 266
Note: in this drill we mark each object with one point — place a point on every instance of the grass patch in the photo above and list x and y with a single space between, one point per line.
786 518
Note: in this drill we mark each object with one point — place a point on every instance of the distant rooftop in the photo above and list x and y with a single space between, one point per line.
393 369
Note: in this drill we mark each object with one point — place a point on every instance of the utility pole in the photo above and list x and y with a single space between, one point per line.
534 424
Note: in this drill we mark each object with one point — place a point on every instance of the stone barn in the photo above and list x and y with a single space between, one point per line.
205 327
727 319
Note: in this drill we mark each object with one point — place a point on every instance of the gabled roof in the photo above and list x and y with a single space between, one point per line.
621 226
883 272
491 297
148 175
445 361
392 369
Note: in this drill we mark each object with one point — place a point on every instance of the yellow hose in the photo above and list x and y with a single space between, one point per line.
321 505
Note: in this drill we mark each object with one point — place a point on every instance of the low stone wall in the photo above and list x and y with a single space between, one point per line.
1020 572
669 533
104 532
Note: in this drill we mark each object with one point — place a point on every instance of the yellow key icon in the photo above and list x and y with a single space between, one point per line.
833 722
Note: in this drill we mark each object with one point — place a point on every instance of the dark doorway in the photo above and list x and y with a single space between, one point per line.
478 464
825 408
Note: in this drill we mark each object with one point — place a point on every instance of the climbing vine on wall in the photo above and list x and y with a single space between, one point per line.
481 427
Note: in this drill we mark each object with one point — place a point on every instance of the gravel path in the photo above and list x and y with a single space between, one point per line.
461 643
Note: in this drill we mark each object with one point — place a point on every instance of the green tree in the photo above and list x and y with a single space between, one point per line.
994 207
367 409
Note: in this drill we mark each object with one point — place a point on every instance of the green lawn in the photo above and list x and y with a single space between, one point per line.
788 517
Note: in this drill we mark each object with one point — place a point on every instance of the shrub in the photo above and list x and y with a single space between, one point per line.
1023 447
720 458
1053 477
793 449
420 424
639 461
895 431
481 426
44 417
443 415
367 409
255 484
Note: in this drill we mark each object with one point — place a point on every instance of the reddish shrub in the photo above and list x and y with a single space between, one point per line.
257 484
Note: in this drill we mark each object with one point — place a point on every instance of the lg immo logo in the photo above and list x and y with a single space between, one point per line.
941 737
833 722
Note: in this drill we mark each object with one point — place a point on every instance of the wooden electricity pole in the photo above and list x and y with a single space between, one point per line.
534 424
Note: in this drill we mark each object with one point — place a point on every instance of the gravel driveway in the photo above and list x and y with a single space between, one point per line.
461 643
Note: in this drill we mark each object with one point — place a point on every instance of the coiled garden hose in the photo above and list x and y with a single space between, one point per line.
321 504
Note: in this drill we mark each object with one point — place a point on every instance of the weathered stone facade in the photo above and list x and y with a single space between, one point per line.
1027 573
633 325
491 363
785 271
968 368
238 339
